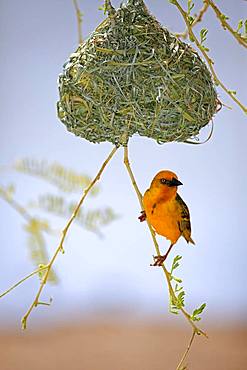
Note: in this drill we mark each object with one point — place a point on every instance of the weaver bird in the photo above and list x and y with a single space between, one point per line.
166 211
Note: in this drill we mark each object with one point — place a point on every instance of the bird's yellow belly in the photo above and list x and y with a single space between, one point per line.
164 221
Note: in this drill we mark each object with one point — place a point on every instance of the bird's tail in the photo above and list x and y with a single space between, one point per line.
187 237
190 240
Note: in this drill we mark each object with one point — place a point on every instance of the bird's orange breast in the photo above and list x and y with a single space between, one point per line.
163 215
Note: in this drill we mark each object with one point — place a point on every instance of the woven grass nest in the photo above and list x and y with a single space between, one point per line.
134 76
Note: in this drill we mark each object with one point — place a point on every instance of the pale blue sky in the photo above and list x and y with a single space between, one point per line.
114 273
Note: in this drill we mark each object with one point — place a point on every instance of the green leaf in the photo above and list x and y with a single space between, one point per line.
192 39
191 19
91 220
173 305
174 311
240 25
102 8
197 312
175 263
178 288
224 17
204 48
65 179
37 246
180 299
178 280
233 92
190 6
7 192
203 35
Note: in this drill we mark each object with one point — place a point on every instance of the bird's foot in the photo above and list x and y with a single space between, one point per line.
158 260
143 216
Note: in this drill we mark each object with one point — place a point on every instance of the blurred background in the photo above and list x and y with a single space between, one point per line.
110 308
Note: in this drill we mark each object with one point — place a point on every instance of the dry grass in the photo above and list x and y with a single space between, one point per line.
134 76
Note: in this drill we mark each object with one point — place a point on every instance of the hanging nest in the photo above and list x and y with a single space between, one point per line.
134 76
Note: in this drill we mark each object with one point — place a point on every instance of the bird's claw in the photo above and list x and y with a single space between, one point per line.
158 260
143 216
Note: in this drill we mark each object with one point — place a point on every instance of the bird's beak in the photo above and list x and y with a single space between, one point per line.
175 182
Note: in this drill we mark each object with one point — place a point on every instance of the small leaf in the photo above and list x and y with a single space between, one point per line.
178 288
224 17
180 299
175 262
191 19
192 39
102 8
42 272
65 179
190 6
233 92
240 25
174 311
199 310
205 48
203 35
177 279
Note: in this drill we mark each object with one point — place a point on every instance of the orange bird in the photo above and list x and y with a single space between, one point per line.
166 211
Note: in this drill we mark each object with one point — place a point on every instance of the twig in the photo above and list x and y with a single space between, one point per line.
15 205
166 272
197 20
64 233
187 350
21 210
35 233
79 21
209 61
225 24
196 330
24 279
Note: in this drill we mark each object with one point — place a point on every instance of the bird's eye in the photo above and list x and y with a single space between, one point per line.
164 181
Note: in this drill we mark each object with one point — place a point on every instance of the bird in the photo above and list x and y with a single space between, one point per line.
166 211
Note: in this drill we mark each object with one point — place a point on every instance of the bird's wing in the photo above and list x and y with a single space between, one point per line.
184 222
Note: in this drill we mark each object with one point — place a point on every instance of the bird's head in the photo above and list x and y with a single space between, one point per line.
166 182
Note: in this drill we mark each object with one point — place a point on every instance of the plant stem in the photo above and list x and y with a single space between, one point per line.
22 211
15 205
186 351
64 233
196 330
198 19
209 61
24 279
79 21
225 24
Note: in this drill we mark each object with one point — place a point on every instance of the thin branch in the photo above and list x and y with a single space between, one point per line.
209 61
166 272
24 279
186 351
79 15
21 210
15 205
64 233
198 19
225 24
